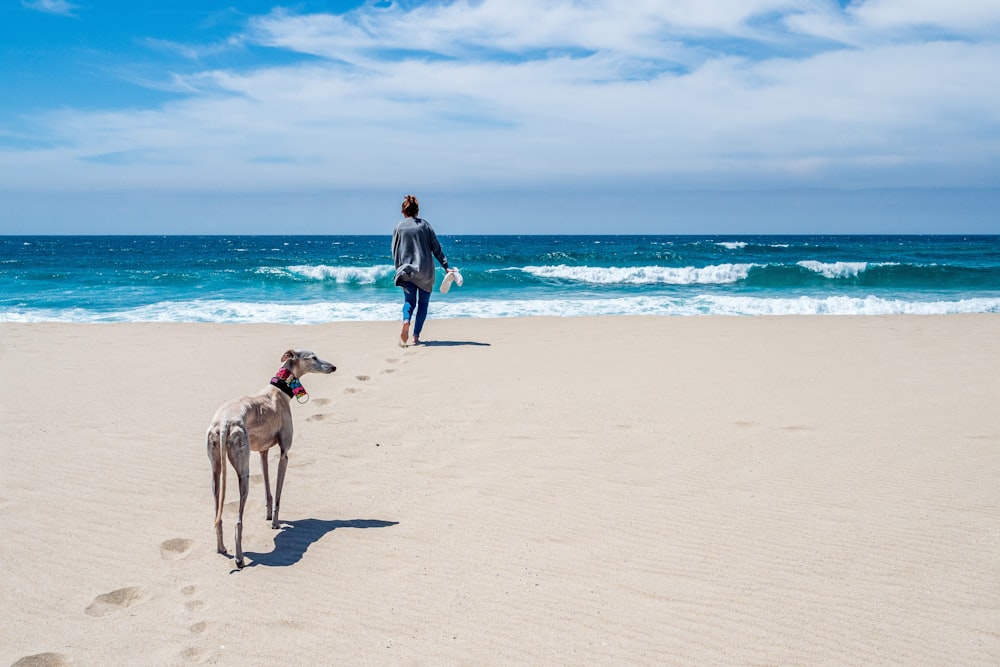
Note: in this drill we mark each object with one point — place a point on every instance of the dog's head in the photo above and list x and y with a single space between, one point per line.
300 362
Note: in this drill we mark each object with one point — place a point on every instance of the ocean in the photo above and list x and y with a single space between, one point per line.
316 279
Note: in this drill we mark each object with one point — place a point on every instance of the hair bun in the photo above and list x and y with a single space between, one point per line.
410 206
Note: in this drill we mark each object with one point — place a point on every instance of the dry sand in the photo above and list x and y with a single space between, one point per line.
661 491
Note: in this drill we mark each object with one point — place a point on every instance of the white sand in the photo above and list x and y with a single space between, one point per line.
668 491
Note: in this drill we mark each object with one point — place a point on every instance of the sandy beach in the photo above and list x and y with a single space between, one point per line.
544 491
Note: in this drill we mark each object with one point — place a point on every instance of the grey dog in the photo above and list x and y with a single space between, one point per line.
257 423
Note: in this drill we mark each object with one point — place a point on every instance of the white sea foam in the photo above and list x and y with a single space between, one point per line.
645 275
732 245
358 275
838 269
713 305
318 313
236 312
842 305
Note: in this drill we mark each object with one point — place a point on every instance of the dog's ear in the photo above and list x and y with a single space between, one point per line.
287 355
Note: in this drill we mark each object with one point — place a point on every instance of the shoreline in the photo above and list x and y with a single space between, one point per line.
383 310
593 490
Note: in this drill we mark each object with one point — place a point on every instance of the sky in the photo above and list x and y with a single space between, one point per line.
502 116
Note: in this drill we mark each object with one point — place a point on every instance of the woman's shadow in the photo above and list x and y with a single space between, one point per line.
295 538
451 343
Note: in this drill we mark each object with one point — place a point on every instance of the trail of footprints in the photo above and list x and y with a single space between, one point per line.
323 416
109 604
113 602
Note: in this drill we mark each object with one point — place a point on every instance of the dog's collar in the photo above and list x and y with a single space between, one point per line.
289 385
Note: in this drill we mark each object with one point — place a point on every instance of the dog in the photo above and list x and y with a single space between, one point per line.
257 423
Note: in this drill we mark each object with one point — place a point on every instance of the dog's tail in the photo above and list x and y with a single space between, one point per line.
224 460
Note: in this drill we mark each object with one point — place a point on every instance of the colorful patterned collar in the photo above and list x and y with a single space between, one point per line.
289 385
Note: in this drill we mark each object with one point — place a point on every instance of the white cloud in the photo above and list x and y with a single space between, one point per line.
61 7
466 29
881 21
193 52
721 94
964 16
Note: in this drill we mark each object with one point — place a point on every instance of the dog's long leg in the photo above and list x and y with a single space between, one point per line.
284 445
241 462
267 483
219 482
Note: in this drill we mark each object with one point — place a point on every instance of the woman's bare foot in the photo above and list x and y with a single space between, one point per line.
404 335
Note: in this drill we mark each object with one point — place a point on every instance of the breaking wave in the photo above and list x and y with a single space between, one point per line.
644 275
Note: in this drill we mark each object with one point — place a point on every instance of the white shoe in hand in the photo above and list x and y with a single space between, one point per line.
452 276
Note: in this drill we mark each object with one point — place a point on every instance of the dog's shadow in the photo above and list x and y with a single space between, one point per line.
295 538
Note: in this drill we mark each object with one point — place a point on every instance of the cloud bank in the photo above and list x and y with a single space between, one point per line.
732 94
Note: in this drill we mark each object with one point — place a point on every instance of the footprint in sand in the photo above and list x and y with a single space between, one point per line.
392 361
233 506
199 628
43 660
389 370
321 401
193 654
195 604
319 417
109 603
352 390
176 548
362 378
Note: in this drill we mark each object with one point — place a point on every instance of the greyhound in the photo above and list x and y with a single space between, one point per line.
257 423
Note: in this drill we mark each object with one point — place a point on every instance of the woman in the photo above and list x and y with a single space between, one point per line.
414 247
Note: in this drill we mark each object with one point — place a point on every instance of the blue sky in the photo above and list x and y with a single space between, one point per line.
554 116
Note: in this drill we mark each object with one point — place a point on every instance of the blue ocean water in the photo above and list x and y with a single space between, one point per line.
315 279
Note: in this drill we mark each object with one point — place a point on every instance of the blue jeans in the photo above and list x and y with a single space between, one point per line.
415 298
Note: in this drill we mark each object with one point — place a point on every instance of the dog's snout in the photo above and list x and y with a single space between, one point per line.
333 369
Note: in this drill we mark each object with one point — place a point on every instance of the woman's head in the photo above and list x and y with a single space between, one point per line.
410 206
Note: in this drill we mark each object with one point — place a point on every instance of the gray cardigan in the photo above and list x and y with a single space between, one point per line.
414 243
